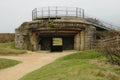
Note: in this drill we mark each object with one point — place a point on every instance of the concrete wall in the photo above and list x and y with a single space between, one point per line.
85 39
22 41
28 36
90 37
77 41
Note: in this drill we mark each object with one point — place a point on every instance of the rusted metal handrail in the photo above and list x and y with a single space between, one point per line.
58 12
50 12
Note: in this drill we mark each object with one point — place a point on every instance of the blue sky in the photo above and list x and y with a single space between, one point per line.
14 12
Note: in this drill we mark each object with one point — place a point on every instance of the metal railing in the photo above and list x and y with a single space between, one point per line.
57 12
100 23
50 12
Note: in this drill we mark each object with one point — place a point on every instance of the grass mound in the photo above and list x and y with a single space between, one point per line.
8 49
5 63
87 65
90 54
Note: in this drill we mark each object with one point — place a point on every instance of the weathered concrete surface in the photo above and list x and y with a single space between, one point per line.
90 37
30 35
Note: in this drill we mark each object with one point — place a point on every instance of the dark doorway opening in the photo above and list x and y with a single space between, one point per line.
57 45
68 43
45 43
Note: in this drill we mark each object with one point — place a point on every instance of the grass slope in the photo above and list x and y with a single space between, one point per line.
8 48
5 63
87 65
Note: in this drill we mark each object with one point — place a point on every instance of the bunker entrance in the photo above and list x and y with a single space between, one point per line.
56 44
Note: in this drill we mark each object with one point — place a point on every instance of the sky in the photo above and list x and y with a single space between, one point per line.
14 12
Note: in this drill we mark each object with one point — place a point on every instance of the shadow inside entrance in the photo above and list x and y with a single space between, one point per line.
56 49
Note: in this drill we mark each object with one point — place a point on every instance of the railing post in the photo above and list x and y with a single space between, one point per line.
36 13
42 12
49 12
32 14
66 12
76 12
83 12
56 12
79 12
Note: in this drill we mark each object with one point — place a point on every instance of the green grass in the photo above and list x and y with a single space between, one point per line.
5 63
87 65
8 49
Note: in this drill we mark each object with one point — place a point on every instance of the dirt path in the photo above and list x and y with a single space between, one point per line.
30 62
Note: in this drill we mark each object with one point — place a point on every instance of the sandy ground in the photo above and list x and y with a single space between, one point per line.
30 62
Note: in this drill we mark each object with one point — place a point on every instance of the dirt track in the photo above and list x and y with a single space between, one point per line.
30 62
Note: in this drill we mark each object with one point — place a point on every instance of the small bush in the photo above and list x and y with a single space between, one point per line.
110 45
112 52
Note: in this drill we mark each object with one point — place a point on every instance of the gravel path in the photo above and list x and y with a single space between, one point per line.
30 62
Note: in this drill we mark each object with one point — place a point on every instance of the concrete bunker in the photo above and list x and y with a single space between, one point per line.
72 31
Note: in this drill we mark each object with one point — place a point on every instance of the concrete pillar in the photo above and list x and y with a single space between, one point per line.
34 41
82 46
89 37
77 42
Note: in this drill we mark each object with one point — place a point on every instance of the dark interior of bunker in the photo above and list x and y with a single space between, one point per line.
46 43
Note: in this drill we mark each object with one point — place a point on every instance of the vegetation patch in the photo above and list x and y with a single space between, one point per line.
109 45
5 63
86 65
9 48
